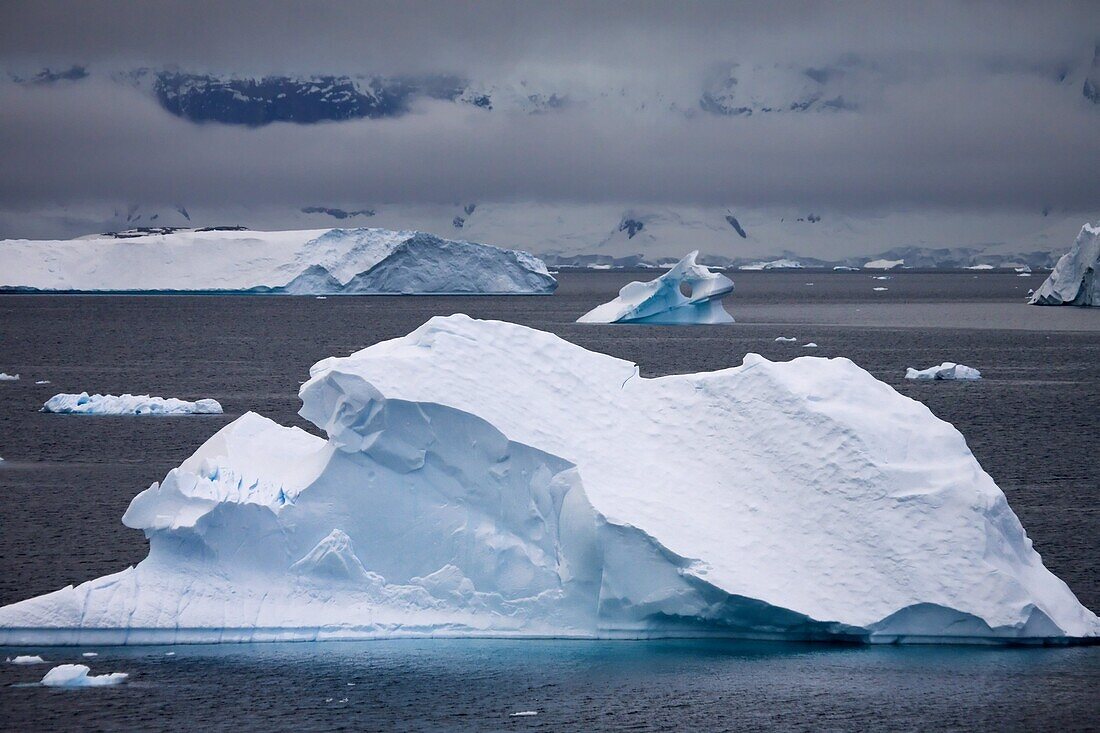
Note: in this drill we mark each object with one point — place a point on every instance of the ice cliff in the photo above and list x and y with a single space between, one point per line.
688 293
1075 280
322 261
484 478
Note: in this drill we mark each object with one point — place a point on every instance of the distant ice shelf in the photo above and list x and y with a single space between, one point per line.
480 478
127 404
689 293
308 262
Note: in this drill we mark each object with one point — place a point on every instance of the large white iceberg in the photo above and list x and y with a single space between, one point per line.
946 370
688 293
483 478
127 404
332 261
1075 279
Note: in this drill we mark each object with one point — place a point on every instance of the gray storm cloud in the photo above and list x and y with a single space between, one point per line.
967 105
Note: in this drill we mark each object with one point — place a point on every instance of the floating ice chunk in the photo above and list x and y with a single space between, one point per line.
76 675
90 654
1075 279
883 277
980 267
786 339
5 377
883 264
1025 270
688 293
1024 274
43 381
845 268
946 370
809 345
879 289
127 404
523 714
26 659
610 505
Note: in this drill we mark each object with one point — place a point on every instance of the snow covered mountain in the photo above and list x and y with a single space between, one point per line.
480 478
566 234
336 261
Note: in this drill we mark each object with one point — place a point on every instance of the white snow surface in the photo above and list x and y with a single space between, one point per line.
1075 280
127 404
76 675
484 478
306 262
946 370
689 293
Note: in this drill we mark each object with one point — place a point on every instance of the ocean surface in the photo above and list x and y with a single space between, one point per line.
1032 421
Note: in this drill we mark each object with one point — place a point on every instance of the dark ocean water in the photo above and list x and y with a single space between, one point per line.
1032 422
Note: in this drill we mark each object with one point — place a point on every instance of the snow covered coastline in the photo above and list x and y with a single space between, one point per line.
127 404
307 262
480 478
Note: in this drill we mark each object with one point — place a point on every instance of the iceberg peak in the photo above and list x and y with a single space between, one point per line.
1075 279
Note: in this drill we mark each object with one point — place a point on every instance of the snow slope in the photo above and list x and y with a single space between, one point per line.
688 293
294 262
484 478
1075 280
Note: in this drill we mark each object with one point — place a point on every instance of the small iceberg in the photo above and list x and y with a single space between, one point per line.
1075 280
523 714
25 659
845 268
5 377
43 381
89 655
810 345
784 264
946 370
786 339
127 404
76 675
689 293
879 289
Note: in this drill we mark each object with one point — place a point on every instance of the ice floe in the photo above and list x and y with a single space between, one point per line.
946 370
76 675
128 404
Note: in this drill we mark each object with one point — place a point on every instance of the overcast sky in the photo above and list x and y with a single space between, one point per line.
959 105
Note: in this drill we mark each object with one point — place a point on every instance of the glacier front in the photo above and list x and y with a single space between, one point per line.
306 262
687 293
1075 280
480 478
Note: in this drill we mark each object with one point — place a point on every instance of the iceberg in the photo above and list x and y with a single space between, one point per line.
76 675
25 659
5 377
783 264
689 293
480 478
946 370
307 262
127 404
1075 279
